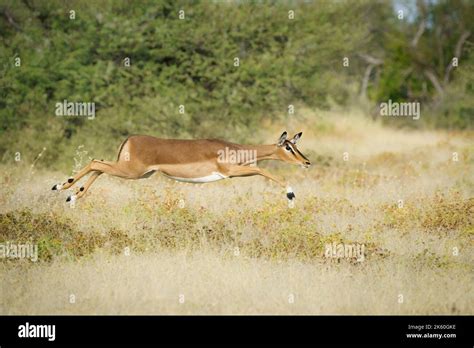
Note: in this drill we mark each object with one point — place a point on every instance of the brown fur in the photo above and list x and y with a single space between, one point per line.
141 155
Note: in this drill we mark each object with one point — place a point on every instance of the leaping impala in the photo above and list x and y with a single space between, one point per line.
195 161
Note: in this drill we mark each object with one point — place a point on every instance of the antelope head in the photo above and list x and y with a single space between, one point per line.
288 152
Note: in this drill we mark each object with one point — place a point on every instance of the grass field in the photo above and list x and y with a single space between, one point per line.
155 246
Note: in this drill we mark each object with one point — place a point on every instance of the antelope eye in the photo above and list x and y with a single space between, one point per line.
288 148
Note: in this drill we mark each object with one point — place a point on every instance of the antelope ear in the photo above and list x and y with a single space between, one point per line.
282 139
296 137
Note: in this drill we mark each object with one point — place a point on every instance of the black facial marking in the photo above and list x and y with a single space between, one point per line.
303 155
290 195
70 180
81 189
290 148
68 198
54 187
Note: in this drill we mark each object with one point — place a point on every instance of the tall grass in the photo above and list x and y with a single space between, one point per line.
236 247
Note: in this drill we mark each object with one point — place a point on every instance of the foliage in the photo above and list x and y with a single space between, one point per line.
190 62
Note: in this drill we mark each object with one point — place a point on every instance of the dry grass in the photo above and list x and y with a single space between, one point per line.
237 248
211 283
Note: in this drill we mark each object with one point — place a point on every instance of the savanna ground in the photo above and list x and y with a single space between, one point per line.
155 246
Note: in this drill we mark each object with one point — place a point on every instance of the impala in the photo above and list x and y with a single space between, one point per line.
194 161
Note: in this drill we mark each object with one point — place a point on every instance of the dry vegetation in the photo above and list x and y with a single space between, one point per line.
235 246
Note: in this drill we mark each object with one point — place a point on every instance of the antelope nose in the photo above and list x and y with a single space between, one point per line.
308 163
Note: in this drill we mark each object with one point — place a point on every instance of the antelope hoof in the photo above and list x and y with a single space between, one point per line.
57 187
71 198
290 194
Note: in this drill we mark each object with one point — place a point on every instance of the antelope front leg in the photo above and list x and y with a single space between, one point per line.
235 171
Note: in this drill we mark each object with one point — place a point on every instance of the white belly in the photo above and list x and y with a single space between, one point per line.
215 176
